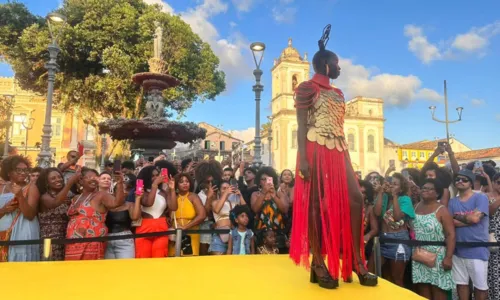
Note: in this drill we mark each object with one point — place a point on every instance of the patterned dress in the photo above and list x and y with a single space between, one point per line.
85 221
53 225
428 228
494 262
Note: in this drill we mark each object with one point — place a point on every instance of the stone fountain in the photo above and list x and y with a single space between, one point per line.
154 132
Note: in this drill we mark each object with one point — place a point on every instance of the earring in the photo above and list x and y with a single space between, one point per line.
327 70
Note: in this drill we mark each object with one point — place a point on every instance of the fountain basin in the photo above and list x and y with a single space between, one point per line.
150 81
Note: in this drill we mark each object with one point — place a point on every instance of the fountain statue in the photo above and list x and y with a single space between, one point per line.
153 133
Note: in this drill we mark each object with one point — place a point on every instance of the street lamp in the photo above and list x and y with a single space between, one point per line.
10 104
446 121
45 155
27 127
258 53
103 151
270 139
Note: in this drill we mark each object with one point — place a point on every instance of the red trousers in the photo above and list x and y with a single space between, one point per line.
153 246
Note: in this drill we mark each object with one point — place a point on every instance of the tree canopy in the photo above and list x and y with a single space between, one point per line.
104 43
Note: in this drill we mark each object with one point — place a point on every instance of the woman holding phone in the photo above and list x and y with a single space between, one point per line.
229 197
157 199
269 205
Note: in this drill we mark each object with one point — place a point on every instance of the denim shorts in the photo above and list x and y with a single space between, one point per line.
206 238
397 252
217 245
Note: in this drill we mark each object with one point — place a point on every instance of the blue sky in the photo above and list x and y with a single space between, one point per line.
400 51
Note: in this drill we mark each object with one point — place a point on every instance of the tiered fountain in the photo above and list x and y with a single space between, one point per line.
154 132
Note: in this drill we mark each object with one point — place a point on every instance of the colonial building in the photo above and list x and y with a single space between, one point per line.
481 154
28 117
364 120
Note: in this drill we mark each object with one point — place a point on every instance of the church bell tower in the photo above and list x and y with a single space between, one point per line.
289 70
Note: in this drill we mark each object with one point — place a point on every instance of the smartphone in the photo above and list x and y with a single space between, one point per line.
139 187
405 174
234 183
477 165
80 150
117 166
392 163
388 179
270 180
442 144
164 173
151 159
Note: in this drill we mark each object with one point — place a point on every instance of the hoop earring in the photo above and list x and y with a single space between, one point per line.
327 70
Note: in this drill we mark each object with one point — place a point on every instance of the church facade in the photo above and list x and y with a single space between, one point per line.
364 119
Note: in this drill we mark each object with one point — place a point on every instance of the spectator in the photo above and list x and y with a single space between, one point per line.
108 167
128 167
208 177
229 198
471 217
432 171
396 212
494 261
287 183
156 201
370 221
269 243
189 215
69 167
87 214
269 206
52 214
433 223
227 174
17 212
34 174
241 240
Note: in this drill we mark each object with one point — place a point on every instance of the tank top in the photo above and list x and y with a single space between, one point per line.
118 221
158 208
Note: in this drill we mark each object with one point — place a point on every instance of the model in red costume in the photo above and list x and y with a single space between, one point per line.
327 211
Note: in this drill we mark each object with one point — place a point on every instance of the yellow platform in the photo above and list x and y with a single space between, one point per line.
199 278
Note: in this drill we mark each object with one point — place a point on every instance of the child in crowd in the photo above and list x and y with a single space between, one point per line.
241 240
269 246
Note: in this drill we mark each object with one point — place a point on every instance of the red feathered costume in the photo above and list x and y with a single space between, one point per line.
326 153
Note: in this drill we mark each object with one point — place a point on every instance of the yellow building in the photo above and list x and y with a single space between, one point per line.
28 117
364 120
414 155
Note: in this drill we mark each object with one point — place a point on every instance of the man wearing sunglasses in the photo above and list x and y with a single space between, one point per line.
470 215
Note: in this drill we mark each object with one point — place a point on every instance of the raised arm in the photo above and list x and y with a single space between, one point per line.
377 208
256 201
113 201
455 167
27 205
218 204
134 210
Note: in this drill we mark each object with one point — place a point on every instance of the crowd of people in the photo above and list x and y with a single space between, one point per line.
442 204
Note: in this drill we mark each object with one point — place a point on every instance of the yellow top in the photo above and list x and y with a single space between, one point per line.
185 210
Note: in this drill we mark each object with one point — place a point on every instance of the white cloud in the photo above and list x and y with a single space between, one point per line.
477 102
231 50
164 6
475 41
246 135
232 24
284 14
395 90
243 5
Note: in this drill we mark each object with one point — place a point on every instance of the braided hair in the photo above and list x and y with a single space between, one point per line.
323 56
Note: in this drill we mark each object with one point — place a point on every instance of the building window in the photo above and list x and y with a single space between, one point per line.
17 125
371 143
413 155
294 139
405 154
294 82
351 142
422 155
56 126
207 145
222 145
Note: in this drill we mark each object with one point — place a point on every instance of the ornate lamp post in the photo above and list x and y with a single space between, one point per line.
258 53
9 100
103 151
45 155
270 139
446 120
27 127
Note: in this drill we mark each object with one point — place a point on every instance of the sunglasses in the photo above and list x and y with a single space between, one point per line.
461 179
427 189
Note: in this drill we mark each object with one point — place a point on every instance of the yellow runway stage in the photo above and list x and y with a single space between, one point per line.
199 278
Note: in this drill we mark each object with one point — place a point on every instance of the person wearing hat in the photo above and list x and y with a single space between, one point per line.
471 218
